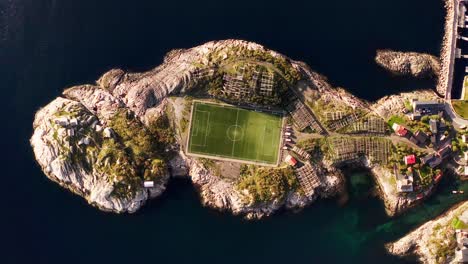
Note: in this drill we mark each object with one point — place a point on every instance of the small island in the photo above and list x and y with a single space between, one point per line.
254 130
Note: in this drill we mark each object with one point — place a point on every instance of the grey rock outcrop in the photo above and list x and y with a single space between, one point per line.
408 63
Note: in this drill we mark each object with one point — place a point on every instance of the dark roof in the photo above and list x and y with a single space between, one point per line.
433 125
426 103
445 151
427 158
435 162
421 136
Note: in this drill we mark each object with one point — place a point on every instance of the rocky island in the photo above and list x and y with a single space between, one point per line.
118 142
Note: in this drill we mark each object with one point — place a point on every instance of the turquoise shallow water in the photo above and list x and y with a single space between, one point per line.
46 45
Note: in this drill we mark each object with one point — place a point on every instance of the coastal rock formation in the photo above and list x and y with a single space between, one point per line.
433 242
68 147
223 194
387 106
408 63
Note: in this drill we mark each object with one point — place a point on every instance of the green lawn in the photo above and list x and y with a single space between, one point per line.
396 119
461 107
230 132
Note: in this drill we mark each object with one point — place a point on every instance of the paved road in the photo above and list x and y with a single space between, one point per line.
457 120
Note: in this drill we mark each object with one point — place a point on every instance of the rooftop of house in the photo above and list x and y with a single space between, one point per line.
410 159
291 160
444 151
404 182
399 129
426 103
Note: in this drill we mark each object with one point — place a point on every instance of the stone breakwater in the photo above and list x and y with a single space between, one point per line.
447 51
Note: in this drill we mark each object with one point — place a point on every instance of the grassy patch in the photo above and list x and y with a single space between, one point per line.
401 120
458 224
465 88
133 155
267 184
461 108
408 105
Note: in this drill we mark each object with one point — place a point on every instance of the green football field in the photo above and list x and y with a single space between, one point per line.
230 132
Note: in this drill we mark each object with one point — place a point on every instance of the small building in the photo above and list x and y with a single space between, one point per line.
421 136
435 162
84 141
443 137
466 156
461 251
62 121
108 132
434 140
426 159
291 160
148 184
414 140
73 122
433 126
415 116
464 137
399 130
410 159
404 183
428 107
444 152
287 133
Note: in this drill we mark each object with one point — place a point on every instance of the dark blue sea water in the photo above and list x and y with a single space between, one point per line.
47 45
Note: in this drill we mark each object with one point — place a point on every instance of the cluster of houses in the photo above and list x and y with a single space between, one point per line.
461 235
71 126
419 138
461 251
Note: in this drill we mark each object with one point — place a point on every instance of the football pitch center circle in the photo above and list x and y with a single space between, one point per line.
235 133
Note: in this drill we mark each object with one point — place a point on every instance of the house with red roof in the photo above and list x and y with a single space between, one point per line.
291 160
410 159
399 130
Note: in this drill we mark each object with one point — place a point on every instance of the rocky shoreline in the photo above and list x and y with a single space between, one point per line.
433 242
79 143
